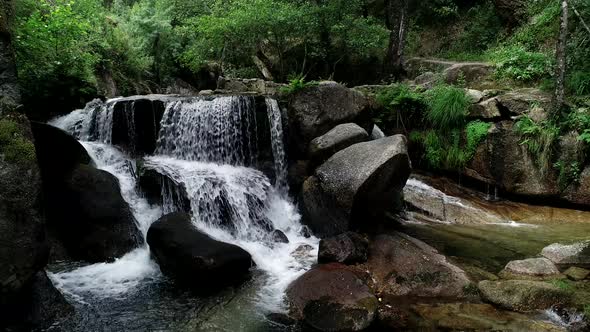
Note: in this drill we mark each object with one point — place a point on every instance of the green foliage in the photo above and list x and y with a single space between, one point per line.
14 146
568 173
578 83
539 138
563 284
296 84
475 133
448 107
516 63
404 107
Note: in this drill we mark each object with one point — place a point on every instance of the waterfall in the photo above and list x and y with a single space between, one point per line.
278 148
209 148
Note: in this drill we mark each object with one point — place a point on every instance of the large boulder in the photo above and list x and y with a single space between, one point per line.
523 295
346 248
356 185
90 216
404 266
532 268
565 255
332 298
314 111
340 137
521 101
193 258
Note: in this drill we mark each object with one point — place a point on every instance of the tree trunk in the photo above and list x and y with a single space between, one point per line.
397 21
262 67
560 54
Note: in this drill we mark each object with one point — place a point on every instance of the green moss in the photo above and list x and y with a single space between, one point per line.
15 147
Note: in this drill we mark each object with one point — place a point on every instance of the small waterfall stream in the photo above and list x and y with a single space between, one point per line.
209 147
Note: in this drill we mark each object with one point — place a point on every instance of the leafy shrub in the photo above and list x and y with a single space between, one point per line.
475 133
578 83
404 107
539 139
448 107
296 84
568 173
516 63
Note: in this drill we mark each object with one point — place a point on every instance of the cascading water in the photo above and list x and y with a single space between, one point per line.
208 147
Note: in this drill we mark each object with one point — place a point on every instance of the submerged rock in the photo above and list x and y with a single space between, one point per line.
347 248
339 138
193 258
532 268
332 298
356 186
577 254
316 110
404 266
523 295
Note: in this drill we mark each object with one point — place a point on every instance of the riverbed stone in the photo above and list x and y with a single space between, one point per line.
532 268
523 295
564 255
330 297
405 266
346 248
339 138
356 186
576 273
315 110
194 259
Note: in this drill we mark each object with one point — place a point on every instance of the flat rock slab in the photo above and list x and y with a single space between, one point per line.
523 295
577 254
339 138
577 273
532 268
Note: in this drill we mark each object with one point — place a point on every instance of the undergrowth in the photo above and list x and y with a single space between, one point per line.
297 84
448 106
539 139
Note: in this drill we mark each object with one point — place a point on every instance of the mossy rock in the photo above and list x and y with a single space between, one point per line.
524 295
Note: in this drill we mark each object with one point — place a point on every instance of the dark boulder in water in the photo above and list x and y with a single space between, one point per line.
90 216
278 236
194 259
332 298
346 248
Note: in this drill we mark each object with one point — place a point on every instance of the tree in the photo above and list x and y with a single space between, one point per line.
559 97
396 19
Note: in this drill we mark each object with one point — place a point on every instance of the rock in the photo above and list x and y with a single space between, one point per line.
377 133
521 101
530 269
49 305
576 273
303 252
90 216
426 79
485 110
475 96
347 248
404 266
339 138
577 254
136 123
279 237
523 295
356 185
314 111
155 186
298 172
194 259
10 94
469 72
280 319
58 152
23 247
476 317
332 298
205 92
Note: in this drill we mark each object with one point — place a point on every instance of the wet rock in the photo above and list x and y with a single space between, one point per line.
156 186
194 259
90 216
347 248
304 251
523 295
281 319
339 138
577 254
532 268
332 298
404 266
576 273
314 111
357 184
477 317
279 237
48 304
